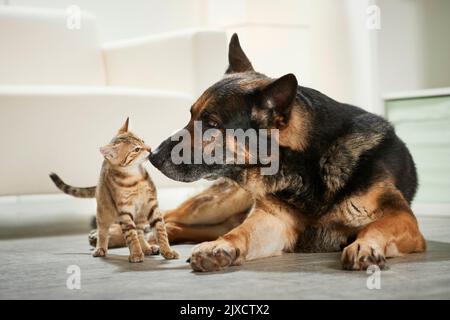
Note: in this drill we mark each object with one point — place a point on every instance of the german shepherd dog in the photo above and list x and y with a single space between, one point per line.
345 180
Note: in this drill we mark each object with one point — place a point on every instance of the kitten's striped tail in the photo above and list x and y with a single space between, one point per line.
73 191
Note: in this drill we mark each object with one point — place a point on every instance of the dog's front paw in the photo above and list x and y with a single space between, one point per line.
99 252
136 257
360 255
213 256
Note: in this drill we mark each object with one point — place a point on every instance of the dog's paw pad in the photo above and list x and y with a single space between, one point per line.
360 255
212 256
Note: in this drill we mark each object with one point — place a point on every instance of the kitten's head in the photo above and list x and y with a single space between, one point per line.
125 149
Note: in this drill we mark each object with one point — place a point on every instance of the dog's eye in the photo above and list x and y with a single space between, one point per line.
212 124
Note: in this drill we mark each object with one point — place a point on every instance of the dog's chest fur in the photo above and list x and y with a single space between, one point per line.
329 225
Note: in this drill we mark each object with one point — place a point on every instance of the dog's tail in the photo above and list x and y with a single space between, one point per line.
73 191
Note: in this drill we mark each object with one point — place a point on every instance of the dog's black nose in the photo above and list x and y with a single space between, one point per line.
153 154
155 158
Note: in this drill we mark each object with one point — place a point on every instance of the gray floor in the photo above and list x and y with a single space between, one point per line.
37 268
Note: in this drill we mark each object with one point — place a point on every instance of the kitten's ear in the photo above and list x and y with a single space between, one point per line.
108 151
124 127
280 94
238 61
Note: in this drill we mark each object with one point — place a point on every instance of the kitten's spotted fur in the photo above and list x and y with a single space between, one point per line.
125 194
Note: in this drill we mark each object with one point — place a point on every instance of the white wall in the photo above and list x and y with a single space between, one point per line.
414 46
342 52
274 34
324 42
120 19
319 41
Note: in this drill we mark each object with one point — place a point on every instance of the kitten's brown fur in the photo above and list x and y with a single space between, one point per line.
125 194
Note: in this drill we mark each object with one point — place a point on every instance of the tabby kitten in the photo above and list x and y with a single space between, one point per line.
125 194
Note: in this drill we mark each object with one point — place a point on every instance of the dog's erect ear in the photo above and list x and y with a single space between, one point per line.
238 61
124 128
280 94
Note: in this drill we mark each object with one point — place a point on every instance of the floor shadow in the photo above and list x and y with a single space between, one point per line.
72 254
436 252
325 263
150 263
329 263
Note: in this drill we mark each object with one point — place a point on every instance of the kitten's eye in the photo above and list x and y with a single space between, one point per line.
137 149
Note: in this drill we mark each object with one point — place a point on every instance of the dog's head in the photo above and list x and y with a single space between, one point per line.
243 102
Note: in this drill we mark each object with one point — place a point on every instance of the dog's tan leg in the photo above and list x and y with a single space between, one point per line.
212 206
176 232
204 217
182 233
115 239
394 234
269 229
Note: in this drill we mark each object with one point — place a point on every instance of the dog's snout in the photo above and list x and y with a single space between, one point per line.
161 159
157 157
152 153
153 157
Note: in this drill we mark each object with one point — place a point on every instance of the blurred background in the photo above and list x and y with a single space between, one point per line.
72 71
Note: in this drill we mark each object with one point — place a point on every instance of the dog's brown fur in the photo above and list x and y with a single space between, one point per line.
379 219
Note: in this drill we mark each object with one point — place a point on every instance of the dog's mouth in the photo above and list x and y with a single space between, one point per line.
156 159
184 172
188 172
211 176
175 172
182 175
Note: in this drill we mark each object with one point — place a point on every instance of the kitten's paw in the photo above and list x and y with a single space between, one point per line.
171 254
136 257
152 250
99 252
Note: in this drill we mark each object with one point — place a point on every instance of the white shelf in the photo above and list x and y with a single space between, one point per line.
417 94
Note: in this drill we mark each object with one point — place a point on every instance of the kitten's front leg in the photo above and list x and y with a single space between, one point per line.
148 249
131 236
103 224
102 242
156 222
